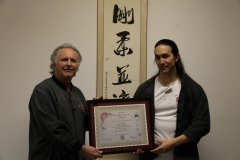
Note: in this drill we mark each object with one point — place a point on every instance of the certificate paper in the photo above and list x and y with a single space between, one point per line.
120 126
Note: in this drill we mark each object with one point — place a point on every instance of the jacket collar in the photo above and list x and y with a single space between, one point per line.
60 84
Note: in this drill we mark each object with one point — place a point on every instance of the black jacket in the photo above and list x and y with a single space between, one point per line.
193 120
57 122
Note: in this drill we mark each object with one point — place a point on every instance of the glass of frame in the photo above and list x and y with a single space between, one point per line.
120 125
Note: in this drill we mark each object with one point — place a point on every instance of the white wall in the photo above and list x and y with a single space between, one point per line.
207 33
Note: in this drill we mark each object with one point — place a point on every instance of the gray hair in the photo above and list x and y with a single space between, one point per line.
54 56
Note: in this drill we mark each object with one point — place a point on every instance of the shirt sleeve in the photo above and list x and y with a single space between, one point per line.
200 125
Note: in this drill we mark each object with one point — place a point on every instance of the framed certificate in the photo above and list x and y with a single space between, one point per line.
120 125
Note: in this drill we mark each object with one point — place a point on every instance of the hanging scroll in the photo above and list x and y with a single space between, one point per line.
121 47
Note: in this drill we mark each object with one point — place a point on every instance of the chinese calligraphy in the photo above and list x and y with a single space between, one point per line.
121 36
122 15
124 95
124 38
122 77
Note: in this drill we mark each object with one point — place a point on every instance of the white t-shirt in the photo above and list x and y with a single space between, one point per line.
166 100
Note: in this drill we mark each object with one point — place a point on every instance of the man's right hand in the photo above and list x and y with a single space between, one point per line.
138 151
90 153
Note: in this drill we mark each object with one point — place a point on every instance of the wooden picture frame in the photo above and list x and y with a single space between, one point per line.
120 125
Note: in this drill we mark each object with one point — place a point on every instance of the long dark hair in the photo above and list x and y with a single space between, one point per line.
183 76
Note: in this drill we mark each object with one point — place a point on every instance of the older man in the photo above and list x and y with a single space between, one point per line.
58 112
